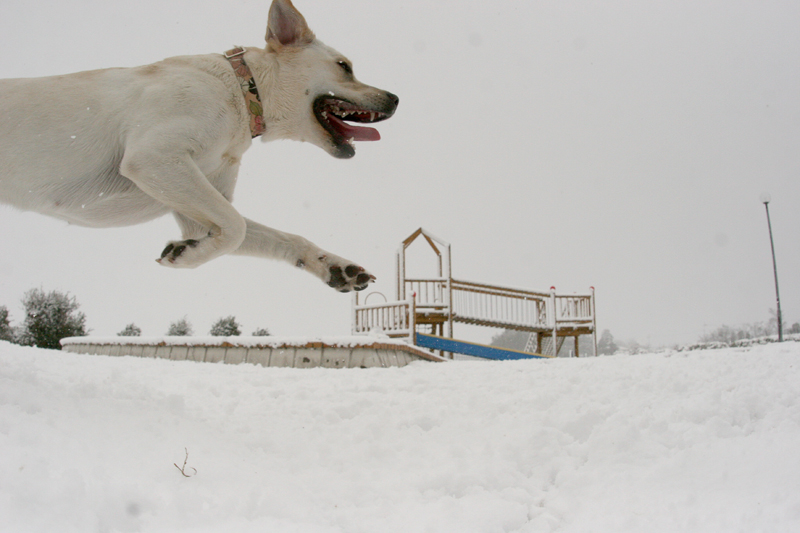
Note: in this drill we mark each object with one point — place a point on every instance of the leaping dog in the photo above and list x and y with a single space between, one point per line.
122 146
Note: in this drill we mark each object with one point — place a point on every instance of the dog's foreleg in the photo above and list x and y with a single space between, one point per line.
337 272
177 182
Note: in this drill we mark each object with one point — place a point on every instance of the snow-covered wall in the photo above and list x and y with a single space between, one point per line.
297 352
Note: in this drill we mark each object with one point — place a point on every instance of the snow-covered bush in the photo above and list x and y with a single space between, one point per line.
729 335
261 332
180 328
225 327
6 333
131 330
49 317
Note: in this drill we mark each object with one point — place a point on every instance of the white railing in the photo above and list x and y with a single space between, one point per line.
394 319
480 303
428 293
575 309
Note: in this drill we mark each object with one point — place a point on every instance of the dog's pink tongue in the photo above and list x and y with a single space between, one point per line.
357 133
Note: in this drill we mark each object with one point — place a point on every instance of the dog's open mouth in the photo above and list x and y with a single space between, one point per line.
335 113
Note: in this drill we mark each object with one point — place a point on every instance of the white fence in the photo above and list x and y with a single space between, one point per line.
477 303
575 310
394 319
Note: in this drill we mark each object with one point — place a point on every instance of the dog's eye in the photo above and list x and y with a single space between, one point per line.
346 67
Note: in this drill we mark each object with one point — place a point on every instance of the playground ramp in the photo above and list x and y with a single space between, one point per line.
474 349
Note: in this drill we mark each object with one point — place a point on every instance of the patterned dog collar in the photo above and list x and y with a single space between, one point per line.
249 89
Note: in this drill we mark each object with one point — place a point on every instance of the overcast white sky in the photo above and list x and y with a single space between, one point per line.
615 144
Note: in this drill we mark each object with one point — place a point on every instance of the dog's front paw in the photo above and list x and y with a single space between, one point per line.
353 277
342 275
175 251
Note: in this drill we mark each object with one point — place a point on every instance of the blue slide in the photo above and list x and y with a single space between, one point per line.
470 348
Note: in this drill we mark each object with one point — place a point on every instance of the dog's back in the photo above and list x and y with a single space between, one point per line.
63 137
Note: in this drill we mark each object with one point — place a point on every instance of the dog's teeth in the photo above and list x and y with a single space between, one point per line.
372 117
324 114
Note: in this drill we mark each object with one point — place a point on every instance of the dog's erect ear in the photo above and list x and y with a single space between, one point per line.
286 26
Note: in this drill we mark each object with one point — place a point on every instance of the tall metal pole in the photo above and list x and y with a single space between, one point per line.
765 198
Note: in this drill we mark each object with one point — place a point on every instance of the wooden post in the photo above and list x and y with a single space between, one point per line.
353 313
412 318
594 326
449 294
555 321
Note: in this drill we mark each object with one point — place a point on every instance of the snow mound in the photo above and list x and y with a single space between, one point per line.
692 441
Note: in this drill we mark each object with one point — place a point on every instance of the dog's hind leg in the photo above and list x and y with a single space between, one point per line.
177 182
335 271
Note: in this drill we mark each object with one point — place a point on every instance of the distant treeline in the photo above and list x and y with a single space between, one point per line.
52 316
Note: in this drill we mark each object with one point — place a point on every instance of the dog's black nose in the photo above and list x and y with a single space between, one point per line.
393 98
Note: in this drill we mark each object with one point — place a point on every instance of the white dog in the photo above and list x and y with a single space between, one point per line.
122 146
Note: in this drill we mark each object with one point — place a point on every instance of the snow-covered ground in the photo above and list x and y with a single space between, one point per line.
696 441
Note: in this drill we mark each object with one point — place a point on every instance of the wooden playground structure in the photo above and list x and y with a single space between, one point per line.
427 308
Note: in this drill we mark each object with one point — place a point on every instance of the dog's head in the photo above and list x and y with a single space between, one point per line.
314 95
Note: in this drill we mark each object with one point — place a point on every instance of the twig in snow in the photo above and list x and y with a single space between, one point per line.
183 469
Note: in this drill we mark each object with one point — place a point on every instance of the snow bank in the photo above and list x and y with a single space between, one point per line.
696 441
